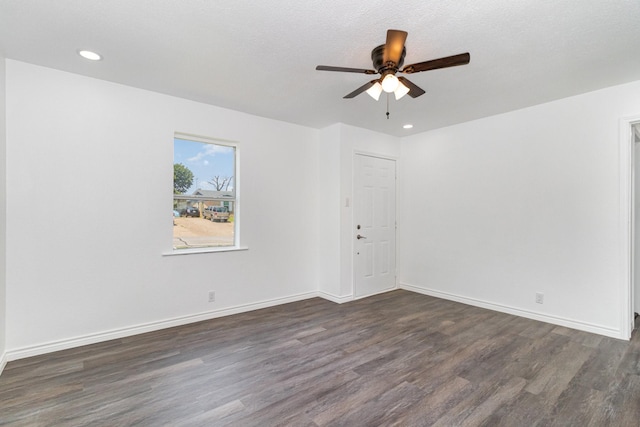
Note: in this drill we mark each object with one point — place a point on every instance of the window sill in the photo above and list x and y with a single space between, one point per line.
205 250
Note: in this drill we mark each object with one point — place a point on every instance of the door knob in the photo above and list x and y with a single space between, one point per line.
360 237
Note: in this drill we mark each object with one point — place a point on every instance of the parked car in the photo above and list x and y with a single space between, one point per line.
190 211
216 213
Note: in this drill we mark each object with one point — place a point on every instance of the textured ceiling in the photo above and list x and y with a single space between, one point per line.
259 56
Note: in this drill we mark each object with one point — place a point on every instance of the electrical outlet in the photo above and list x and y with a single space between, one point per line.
212 296
539 298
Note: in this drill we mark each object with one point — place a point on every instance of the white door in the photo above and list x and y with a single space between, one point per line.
374 230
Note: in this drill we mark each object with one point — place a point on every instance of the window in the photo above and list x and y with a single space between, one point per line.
205 203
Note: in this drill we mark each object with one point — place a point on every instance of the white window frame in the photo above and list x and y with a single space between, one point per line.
236 200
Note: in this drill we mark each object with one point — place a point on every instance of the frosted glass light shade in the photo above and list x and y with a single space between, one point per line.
401 91
390 83
375 91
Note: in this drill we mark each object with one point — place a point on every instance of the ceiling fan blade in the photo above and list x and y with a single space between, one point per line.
345 70
434 64
361 89
394 47
414 91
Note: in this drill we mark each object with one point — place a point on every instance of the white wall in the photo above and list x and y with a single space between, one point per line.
337 147
352 140
3 216
500 208
491 211
329 210
89 188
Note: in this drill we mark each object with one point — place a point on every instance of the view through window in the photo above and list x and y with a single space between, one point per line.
204 193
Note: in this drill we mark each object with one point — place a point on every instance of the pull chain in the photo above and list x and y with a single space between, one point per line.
387 106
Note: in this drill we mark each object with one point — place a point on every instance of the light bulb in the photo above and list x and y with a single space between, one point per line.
390 83
375 91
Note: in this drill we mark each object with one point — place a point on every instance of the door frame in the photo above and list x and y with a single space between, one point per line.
627 226
353 219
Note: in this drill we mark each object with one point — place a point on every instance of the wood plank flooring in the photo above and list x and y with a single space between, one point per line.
396 359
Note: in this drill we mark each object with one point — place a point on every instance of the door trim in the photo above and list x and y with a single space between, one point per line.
627 214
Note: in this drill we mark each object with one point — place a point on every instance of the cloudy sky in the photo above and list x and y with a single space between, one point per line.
205 161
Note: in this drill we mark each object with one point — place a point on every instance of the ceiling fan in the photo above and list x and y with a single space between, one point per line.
387 60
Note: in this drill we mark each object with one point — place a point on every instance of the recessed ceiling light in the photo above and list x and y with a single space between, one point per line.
87 54
407 126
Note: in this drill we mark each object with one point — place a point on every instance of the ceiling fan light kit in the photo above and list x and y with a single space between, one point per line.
387 61
390 84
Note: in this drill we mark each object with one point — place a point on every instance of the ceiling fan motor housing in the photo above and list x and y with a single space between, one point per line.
377 56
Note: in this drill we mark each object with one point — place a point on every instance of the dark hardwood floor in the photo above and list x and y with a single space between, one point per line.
394 359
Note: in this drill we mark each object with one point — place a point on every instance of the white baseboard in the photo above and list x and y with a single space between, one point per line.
35 350
50 347
351 297
384 291
3 362
335 298
554 320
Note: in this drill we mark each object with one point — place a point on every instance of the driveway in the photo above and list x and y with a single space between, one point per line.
199 233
